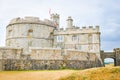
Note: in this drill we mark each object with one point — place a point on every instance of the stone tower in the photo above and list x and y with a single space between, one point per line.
29 32
55 19
117 55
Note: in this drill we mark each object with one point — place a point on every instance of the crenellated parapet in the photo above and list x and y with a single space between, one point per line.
55 15
31 20
91 27
76 29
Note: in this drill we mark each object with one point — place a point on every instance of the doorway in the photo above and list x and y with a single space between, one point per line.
109 62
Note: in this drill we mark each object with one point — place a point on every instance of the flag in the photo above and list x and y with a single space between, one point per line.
56 24
49 11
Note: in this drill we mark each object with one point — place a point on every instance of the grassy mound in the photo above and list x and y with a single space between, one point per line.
104 73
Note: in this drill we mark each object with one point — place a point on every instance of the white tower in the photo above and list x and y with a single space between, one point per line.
29 32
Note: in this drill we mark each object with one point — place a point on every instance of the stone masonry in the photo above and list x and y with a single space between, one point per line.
43 58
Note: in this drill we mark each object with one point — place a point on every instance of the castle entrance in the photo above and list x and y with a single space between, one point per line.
109 62
115 56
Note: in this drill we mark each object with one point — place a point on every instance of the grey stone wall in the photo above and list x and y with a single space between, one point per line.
117 55
15 64
43 58
60 54
1 65
10 53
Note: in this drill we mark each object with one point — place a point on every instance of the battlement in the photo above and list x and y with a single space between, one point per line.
84 29
69 18
31 20
90 28
116 49
55 15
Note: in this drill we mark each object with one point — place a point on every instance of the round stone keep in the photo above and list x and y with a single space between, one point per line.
29 32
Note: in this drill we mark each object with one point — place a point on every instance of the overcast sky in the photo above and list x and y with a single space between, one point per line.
105 13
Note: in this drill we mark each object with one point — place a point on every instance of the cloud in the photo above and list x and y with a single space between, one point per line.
84 12
110 25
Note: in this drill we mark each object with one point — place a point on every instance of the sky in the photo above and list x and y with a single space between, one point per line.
105 13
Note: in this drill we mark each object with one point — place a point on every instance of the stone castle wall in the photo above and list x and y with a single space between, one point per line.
18 64
10 53
38 58
117 56
85 39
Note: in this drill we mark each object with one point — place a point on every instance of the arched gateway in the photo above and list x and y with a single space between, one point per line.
114 55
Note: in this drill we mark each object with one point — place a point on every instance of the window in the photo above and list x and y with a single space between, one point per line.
60 38
9 32
30 33
74 38
30 43
90 38
79 47
91 47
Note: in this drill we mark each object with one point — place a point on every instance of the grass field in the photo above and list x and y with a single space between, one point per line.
104 73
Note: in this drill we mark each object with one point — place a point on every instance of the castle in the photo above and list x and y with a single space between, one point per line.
32 32
34 44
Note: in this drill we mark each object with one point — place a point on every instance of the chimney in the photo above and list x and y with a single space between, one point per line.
69 22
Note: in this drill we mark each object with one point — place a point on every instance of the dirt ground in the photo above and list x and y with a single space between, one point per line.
34 75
